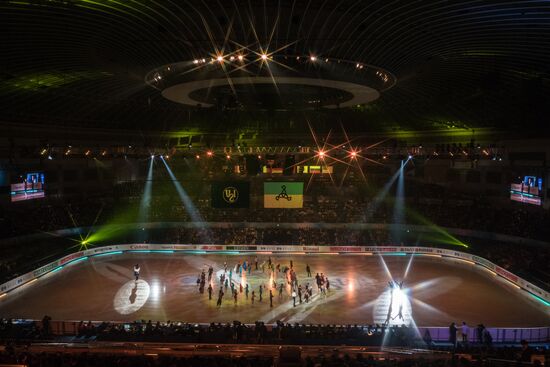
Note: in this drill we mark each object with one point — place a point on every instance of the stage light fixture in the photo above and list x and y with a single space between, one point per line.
321 154
195 61
209 153
228 156
353 154
197 156
264 57
313 58
152 156
232 58
220 58
240 57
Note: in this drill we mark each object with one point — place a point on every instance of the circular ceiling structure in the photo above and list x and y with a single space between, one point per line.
267 82
82 63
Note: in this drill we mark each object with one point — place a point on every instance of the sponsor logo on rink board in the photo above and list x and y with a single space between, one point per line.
38 272
483 262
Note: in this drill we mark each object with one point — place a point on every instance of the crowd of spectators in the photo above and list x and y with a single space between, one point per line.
80 359
106 359
229 333
91 360
259 333
280 333
424 203
17 337
350 204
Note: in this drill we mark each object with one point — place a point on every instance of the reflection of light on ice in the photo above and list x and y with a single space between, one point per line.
131 296
155 290
387 307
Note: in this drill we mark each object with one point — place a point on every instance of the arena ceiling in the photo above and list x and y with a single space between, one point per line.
451 64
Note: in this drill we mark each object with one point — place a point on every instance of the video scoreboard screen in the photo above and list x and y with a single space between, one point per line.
528 190
30 186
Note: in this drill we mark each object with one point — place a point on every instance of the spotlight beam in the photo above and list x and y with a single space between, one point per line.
449 238
94 222
373 206
385 266
74 222
145 203
188 205
408 266
399 202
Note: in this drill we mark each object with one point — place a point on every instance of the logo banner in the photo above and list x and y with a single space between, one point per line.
283 194
230 194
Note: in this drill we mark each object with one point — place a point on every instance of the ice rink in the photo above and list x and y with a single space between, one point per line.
435 291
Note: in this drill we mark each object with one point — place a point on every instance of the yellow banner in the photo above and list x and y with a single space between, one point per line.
296 201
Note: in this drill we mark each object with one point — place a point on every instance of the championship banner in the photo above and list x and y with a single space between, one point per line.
283 194
230 194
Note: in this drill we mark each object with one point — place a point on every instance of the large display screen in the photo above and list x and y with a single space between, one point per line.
30 186
527 190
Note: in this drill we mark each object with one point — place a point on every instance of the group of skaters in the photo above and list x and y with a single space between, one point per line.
201 279
229 282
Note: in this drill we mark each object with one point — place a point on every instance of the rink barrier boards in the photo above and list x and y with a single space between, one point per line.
529 290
